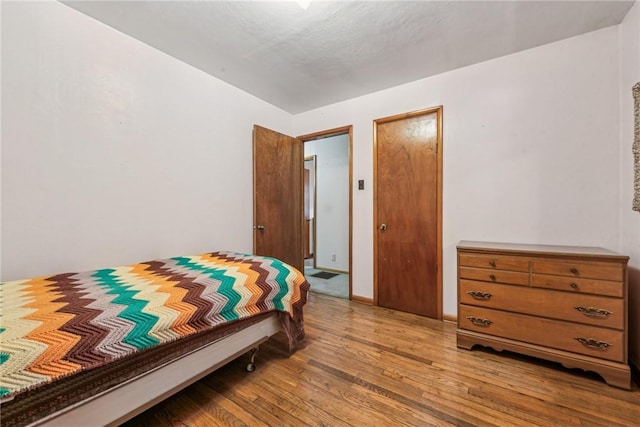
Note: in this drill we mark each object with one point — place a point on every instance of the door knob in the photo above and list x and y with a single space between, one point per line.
383 227
260 227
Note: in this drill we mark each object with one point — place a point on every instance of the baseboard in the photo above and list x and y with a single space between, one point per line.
363 300
450 318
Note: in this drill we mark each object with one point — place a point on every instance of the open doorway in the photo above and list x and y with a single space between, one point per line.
327 211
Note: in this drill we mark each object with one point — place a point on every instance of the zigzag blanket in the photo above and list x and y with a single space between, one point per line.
53 327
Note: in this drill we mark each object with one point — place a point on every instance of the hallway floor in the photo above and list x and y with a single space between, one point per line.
337 286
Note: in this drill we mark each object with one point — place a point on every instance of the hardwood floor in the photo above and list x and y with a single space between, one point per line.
369 366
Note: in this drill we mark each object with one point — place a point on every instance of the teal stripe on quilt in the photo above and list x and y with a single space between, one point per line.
3 390
281 279
226 285
139 337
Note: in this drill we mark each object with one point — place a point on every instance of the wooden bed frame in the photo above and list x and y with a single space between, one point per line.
130 398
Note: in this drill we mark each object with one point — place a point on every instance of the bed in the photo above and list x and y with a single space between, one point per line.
99 347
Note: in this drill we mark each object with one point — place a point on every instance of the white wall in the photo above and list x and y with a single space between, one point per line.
531 150
630 220
332 210
113 152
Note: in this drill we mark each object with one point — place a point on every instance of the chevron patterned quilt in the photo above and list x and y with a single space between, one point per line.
53 327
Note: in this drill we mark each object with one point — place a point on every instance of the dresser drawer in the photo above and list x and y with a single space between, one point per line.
588 270
495 276
578 285
494 262
588 340
587 309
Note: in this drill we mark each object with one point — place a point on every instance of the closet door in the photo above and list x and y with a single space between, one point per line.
407 213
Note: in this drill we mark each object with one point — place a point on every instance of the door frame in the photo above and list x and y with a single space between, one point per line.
315 199
438 111
325 134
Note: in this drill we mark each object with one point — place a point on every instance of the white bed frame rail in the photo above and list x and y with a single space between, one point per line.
128 399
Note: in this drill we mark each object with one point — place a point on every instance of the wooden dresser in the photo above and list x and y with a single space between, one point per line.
561 303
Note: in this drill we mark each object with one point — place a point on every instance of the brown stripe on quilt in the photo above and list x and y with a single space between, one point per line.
194 291
84 352
263 274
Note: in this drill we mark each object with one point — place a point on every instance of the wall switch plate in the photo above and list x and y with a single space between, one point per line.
361 184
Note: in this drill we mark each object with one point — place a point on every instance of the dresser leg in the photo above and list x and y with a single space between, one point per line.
462 341
619 378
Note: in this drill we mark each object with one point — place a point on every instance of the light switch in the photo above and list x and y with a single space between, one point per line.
361 184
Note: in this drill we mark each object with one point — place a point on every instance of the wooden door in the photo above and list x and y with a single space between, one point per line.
278 161
407 212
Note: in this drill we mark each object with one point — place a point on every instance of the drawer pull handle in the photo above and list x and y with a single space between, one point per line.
480 295
593 343
492 263
594 312
574 271
492 277
480 322
574 285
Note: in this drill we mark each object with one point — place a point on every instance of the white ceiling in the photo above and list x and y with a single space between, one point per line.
303 59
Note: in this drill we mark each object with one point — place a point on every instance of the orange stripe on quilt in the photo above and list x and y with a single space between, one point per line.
248 282
175 300
58 342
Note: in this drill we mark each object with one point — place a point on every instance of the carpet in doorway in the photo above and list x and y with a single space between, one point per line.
324 275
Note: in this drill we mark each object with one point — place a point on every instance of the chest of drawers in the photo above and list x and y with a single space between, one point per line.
560 303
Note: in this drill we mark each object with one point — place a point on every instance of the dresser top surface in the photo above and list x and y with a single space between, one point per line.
540 249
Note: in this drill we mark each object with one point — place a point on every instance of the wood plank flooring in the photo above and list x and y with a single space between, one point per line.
370 366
